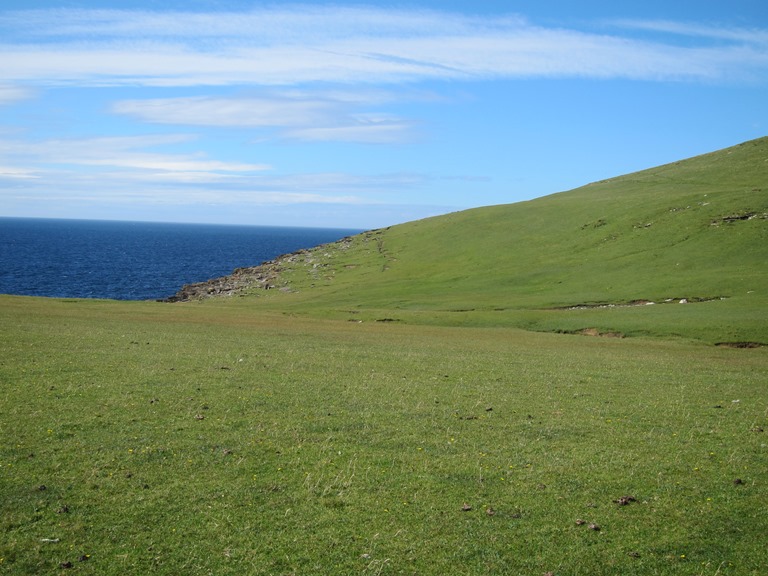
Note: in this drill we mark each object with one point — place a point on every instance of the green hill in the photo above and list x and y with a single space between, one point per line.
694 230
266 434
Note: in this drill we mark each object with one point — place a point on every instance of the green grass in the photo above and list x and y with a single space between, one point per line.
655 235
220 439
415 400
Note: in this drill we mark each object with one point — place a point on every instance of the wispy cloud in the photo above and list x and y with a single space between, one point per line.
744 36
301 43
301 115
119 152
14 172
119 170
11 94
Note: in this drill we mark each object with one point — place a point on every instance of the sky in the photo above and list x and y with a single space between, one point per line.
359 115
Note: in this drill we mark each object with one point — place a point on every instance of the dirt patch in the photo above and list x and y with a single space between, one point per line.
596 332
593 332
740 344
741 216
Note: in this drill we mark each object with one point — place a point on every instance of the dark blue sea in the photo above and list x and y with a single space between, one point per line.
135 260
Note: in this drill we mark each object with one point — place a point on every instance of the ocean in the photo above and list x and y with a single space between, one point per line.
135 260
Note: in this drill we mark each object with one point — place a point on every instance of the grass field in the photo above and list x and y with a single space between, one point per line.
695 230
418 400
146 438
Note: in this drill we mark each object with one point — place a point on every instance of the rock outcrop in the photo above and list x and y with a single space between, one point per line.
266 276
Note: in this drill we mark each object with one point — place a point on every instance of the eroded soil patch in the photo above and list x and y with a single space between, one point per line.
593 332
740 344
738 217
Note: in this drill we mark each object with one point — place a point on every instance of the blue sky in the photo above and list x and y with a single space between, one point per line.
359 115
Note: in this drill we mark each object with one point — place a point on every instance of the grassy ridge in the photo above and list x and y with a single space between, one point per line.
216 439
671 232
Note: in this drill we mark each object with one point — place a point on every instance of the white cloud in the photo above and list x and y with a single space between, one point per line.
13 172
11 94
297 44
120 152
120 170
739 35
330 115
297 23
371 131
205 111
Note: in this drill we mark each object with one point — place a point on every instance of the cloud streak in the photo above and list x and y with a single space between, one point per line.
12 94
119 152
739 35
298 44
300 115
63 170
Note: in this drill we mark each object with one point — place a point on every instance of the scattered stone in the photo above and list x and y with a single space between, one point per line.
740 344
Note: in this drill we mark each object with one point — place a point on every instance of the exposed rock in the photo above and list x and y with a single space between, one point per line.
740 344
266 276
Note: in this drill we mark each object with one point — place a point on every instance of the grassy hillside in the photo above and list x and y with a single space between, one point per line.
695 230
269 435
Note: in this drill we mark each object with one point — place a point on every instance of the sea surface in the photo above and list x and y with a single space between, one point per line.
135 260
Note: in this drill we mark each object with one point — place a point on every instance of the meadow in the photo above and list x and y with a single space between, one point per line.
430 398
147 438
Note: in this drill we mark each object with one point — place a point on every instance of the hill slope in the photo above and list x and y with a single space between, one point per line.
695 230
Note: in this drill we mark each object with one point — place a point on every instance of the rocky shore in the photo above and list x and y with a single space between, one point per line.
266 276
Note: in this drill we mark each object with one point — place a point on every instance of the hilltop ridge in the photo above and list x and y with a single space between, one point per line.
694 230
